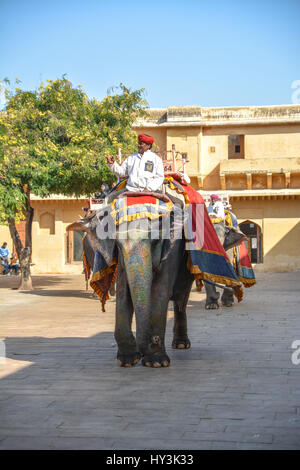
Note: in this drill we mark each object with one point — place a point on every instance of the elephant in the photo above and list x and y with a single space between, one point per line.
229 237
151 271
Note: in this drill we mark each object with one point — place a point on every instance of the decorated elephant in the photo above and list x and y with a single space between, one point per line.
150 268
238 256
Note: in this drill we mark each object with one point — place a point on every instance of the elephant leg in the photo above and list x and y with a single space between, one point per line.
156 355
172 282
212 297
128 354
180 299
227 298
112 290
180 337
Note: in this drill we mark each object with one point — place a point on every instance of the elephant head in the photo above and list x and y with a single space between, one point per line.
229 236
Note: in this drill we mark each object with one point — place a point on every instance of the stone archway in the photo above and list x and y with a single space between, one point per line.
254 241
73 246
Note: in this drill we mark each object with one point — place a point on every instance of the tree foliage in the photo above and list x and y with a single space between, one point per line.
54 140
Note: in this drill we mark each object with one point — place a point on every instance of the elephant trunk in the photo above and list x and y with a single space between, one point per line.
138 264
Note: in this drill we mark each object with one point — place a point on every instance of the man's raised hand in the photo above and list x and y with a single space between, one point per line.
110 159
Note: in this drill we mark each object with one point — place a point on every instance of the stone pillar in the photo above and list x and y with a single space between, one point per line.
269 180
249 180
287 179
223 181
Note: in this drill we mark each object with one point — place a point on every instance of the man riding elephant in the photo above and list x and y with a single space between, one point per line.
148 237
216 207
144 169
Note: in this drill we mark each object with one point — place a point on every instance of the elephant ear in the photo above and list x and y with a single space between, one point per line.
166 249
233 237
89 224
160 250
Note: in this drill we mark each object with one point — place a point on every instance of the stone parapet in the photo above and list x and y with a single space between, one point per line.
200 116
256 194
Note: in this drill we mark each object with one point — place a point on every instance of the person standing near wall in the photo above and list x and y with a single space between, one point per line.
4 255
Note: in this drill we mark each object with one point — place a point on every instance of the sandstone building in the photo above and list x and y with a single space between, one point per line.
253 155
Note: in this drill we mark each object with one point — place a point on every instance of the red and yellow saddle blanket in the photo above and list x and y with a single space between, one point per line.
129 208
244 267
241 260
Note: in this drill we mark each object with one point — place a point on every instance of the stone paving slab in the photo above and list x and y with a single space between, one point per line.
61 387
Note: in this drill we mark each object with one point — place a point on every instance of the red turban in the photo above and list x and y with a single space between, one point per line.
214 196
145 138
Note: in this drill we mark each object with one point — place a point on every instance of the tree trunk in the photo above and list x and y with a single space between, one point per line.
26 282
24 253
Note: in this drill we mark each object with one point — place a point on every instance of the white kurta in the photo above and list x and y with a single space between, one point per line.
217 209
145 172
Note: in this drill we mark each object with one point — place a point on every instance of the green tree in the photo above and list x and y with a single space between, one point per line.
54 141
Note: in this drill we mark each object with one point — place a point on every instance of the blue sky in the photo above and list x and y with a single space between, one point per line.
188 52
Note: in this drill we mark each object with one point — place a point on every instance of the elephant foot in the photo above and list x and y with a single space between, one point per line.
157 360
181 344
112 291
227 304
128 360
227 299
212 305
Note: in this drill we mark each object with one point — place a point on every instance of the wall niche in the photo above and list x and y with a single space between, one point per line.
47 223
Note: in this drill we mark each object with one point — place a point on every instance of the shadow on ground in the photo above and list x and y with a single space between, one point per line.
236 388
13 282
49 286
62 293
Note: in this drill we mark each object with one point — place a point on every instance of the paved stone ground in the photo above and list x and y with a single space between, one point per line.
61 387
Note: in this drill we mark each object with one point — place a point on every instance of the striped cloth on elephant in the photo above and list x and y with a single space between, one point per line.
208 261
241 259
129 208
